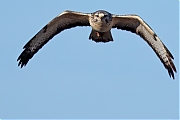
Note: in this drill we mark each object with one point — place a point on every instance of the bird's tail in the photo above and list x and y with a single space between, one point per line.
101 36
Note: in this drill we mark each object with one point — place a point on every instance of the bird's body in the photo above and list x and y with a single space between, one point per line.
101 22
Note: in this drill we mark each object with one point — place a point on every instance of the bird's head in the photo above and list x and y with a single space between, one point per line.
102 16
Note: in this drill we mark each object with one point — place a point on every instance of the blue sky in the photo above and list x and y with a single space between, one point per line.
73 77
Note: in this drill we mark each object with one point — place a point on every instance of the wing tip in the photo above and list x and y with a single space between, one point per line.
171 73
24 57
171 69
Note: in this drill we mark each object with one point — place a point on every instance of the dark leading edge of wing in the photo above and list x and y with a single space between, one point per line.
136 25
66 20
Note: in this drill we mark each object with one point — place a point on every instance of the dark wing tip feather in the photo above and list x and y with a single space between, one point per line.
170 71
168 52
24 58
173 66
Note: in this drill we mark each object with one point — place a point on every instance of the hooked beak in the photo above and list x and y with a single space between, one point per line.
101 15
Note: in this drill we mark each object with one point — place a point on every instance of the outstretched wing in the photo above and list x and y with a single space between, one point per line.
65 20
136 25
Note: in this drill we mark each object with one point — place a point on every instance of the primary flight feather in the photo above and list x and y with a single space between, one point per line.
101 22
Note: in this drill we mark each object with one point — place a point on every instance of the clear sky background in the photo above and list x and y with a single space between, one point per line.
74 77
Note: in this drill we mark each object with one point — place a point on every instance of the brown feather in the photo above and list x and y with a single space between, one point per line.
66 20
136 25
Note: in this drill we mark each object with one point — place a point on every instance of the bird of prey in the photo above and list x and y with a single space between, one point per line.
101 22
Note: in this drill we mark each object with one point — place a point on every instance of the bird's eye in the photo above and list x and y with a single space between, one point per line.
97 15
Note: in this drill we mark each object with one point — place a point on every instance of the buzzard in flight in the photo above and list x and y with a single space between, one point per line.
101 22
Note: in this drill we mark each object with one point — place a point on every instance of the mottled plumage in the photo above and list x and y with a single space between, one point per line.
101 22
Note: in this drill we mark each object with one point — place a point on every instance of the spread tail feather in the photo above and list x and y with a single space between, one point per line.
101 36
